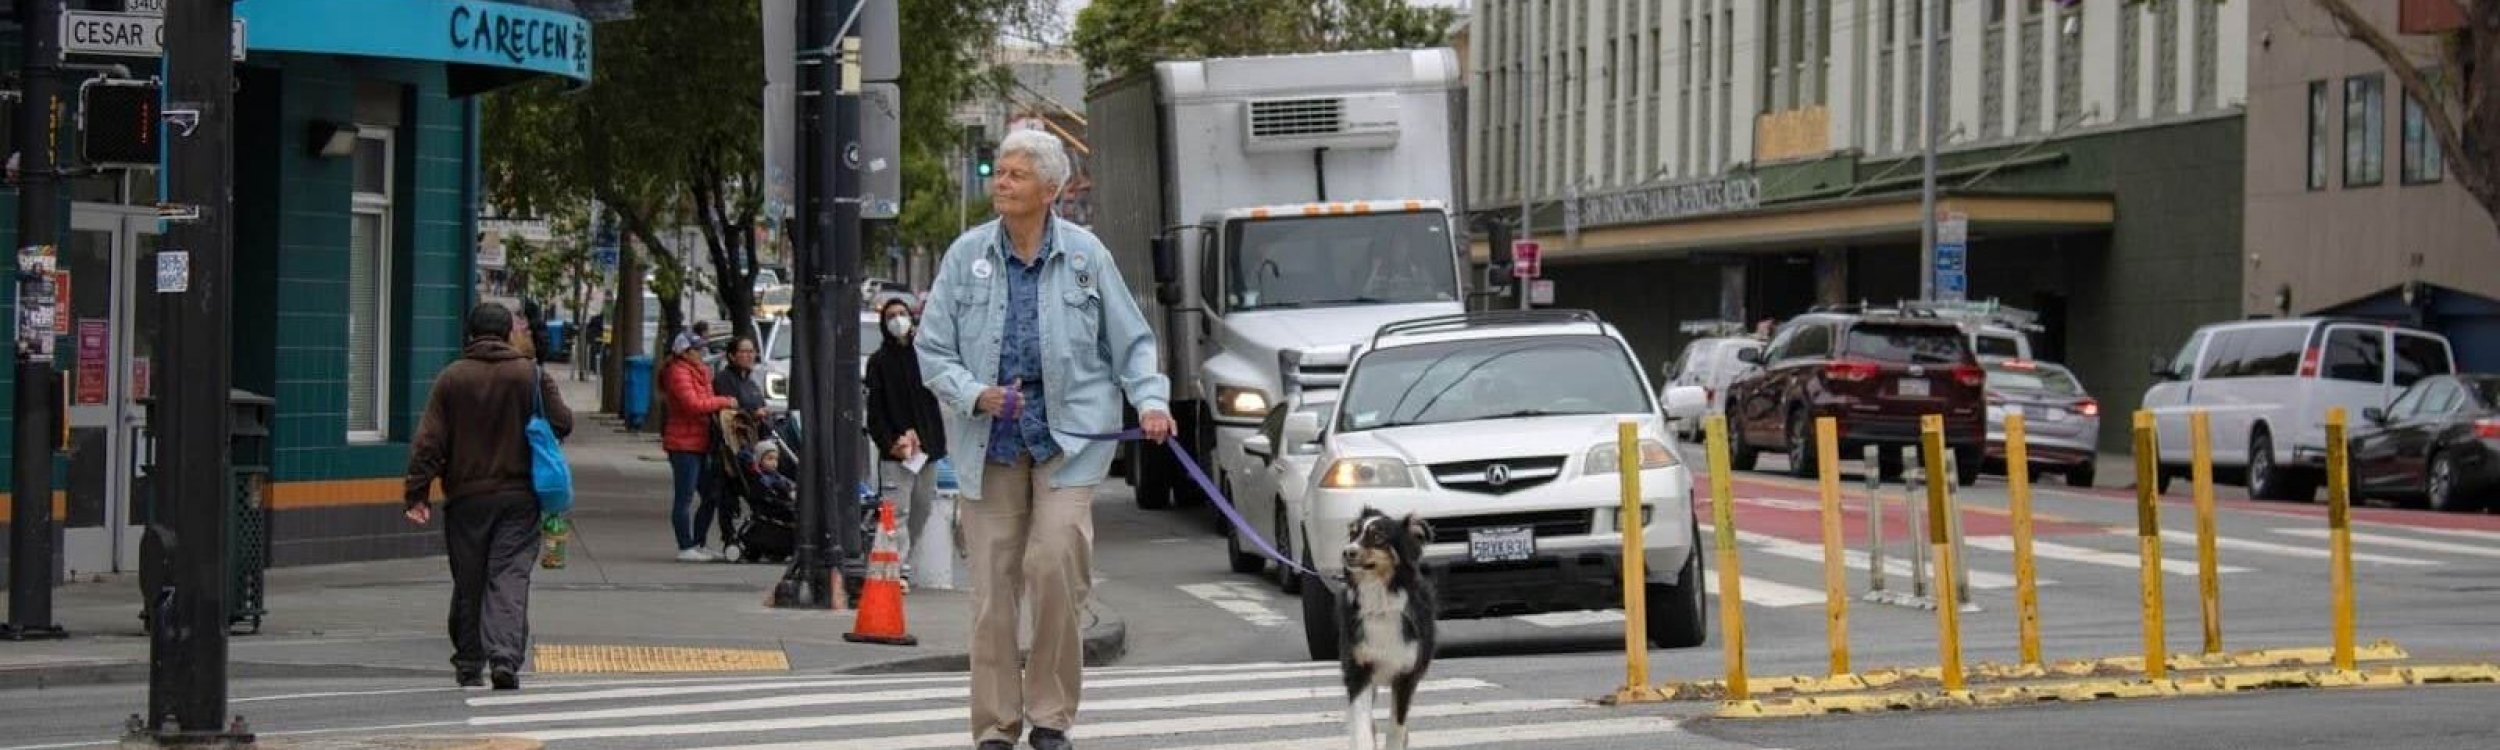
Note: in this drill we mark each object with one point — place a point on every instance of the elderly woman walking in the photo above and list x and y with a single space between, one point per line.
1030 339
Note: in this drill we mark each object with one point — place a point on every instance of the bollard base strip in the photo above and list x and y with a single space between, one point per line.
2099 689
1632 694
2383 650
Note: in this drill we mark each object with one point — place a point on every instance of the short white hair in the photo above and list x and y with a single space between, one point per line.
1050 158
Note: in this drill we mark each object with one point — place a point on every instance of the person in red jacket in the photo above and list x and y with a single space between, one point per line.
687 436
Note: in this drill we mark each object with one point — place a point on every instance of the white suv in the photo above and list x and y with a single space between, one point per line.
1500 429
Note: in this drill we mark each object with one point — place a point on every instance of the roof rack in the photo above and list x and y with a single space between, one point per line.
1714 328
1974 312
1487 319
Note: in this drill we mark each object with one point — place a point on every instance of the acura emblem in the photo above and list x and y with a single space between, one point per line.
1917 371
1497 474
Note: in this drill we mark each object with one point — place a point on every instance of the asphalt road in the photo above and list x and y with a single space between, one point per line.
1215 659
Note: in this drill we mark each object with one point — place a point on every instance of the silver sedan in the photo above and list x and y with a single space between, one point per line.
2061 422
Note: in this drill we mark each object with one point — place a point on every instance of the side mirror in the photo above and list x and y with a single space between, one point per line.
2160 368
1687 402
2375 415
1257 445
1167 266
1301 427
1749 356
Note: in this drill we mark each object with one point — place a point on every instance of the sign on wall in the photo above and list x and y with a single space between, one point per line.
470 32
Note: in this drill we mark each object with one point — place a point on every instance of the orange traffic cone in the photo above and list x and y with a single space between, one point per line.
880 617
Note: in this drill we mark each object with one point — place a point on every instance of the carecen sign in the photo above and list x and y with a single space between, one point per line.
468 32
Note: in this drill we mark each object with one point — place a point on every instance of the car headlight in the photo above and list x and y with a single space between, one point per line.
1366 473
776 385
1240 401
1654 455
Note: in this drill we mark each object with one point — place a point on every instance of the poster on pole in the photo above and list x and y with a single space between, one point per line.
95 351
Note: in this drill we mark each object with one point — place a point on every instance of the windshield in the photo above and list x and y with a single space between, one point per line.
779 295
2033 378
869 339
1458 381
1343 259
1907 345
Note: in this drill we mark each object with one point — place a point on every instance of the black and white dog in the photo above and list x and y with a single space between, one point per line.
1384 621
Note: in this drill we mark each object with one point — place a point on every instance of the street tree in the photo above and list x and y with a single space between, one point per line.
668 135
946 62
1122 37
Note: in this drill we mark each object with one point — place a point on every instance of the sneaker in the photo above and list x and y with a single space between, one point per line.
997 745
506 679
470 677
730 553
695 555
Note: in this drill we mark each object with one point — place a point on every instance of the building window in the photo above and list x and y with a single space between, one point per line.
2317 135
2365 138
368 288
2423 163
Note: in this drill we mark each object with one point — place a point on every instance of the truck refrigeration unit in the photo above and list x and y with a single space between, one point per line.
1270 213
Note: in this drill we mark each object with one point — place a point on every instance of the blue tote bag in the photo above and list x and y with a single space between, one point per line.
550 477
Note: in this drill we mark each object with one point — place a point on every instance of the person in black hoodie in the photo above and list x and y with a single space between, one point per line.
904 420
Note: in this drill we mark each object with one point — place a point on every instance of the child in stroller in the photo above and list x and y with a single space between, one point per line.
755 465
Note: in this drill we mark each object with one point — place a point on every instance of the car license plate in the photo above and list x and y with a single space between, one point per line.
1501 544
2054 415
1911 387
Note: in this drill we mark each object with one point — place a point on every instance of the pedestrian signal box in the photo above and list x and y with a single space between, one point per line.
118 124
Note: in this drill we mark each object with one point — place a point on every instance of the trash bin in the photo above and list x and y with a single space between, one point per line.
247 525
247 518
555 344
637 404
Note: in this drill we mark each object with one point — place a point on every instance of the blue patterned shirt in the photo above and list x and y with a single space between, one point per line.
1020 359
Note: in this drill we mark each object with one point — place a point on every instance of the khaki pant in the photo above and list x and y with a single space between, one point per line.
1030 543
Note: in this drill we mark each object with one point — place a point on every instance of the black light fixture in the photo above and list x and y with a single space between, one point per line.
330 140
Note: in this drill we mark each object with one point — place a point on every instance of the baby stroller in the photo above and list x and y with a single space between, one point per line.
755 471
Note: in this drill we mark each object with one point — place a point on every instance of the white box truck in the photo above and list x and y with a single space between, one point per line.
1263 206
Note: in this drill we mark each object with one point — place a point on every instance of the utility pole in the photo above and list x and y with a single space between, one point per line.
1528 152
1934 135
194 270
828 345
38 226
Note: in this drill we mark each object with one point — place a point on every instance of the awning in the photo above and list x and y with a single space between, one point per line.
485 43
1863 220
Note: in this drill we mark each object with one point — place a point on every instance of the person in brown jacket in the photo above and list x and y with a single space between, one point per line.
471 440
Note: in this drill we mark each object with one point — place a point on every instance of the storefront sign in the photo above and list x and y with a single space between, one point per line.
1672 201
469 32
95 354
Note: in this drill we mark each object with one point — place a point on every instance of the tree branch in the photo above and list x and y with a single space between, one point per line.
2474 174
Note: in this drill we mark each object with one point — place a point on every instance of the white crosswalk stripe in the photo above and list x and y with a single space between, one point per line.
1857 559
2310 552
1246 600
2385 540
2047 550
1237 706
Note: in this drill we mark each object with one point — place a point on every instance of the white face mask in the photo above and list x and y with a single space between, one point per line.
899 325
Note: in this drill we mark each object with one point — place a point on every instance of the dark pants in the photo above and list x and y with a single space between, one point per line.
690 511
493 541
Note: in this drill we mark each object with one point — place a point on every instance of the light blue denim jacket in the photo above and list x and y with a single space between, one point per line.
1096 346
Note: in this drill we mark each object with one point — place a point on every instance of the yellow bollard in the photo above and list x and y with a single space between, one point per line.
1835 566
1723 523
1948 611
1635 593
2026 586
2148 544
2208 572
2339 533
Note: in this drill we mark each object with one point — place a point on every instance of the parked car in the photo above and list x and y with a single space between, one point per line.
1709 364
1270 493
2438 443
2267 386
1500 430
1878 373
2061 422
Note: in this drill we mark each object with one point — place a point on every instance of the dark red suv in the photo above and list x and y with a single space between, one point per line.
1878 374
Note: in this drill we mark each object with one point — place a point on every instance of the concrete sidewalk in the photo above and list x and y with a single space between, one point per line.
623 604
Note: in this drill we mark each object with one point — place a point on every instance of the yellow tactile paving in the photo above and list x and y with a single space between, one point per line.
581 659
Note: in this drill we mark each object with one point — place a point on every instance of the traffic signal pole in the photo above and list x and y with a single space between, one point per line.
827 266
39 225
186 535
